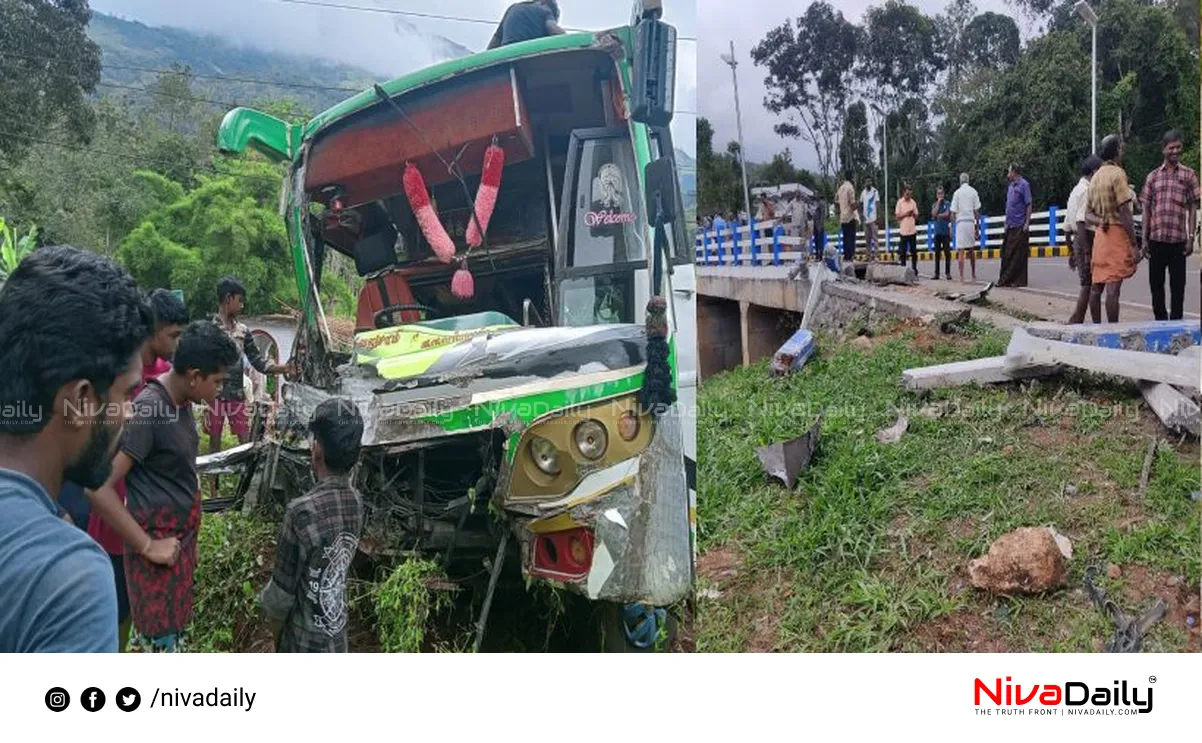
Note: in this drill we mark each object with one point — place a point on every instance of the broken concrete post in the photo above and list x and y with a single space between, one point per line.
818 275
1026 350
1176 411
794 353
890 273
893 433
958 374
785 460
1027 560
1160 337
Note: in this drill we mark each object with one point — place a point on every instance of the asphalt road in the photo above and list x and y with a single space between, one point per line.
1053 276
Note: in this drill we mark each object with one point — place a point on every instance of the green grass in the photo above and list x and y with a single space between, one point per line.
869 552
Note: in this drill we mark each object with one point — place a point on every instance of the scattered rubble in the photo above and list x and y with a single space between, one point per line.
894 432
967 297
950 321
785 460
1025 561
861 342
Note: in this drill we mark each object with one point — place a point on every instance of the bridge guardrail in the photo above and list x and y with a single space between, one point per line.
775 245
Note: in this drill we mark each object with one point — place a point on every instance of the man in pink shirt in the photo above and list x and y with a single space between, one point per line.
170 318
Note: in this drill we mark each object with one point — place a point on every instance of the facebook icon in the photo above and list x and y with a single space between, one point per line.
92 699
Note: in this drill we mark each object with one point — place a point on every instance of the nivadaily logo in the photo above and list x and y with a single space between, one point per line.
1069 698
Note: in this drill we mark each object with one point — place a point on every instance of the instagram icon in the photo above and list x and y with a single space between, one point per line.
57 699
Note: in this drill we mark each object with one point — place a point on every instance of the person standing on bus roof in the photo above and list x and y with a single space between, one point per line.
528 20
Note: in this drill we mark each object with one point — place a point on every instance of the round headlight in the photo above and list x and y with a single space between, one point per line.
545 455
591 439
628 426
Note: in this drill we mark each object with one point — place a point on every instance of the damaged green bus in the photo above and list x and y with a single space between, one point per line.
524 356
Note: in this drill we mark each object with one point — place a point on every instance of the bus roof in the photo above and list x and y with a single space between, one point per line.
243 127
453 67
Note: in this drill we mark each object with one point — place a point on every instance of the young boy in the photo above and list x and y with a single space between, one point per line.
71 326
157 460
170 318
306 597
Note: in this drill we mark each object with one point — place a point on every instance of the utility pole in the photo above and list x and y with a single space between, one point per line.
734 63
1090 16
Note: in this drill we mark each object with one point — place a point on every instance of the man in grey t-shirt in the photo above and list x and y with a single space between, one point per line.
72 326
528 20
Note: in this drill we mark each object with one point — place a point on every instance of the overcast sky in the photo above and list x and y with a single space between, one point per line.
370 40
723 21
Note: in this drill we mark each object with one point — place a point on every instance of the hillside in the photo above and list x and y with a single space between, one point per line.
132 51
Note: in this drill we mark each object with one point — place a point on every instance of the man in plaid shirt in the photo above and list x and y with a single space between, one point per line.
306 598
1170 203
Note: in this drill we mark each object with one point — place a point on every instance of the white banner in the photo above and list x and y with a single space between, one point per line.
596 697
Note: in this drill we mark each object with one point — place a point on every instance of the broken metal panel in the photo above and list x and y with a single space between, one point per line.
638 514
785 460
225 462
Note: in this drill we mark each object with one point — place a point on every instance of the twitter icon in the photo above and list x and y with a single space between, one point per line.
128 699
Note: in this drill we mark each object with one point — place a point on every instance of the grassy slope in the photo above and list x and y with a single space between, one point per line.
870 552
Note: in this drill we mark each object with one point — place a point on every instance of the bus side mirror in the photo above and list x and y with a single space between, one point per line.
662 186
653 96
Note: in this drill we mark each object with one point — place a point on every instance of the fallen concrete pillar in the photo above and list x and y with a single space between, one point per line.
794 353
890 273
1160 337
961 373
818 274
1026 351
1176 411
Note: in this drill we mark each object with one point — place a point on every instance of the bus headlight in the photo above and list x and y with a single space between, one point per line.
545 456
591 440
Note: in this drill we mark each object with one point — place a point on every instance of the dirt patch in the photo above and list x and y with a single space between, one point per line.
1141 588
719 567
964 631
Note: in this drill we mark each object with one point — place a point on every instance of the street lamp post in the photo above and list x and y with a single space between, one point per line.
885 130
734 63
1089 16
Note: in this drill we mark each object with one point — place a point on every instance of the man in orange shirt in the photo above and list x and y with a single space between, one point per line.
907 216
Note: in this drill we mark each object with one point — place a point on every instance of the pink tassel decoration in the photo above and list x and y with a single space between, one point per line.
486 197
463 285
427 218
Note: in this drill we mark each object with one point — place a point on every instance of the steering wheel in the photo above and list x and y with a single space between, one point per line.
378 318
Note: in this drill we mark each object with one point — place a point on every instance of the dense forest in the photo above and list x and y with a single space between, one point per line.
961 91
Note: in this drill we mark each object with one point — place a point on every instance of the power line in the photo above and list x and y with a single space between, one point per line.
189 73
416 14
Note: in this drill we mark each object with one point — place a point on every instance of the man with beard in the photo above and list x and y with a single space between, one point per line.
157 460
72 327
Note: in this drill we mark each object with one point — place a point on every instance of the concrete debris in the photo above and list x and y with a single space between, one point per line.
794 353
861 342
967 297
961 373
785 460
818 275
950 321
1025 561
894 432
1025 351
712 594
1144 335
1070 490
890 273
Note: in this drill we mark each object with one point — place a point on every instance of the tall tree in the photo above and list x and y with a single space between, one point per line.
900 53
719 182
991 42
48 66
856 149
809 77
